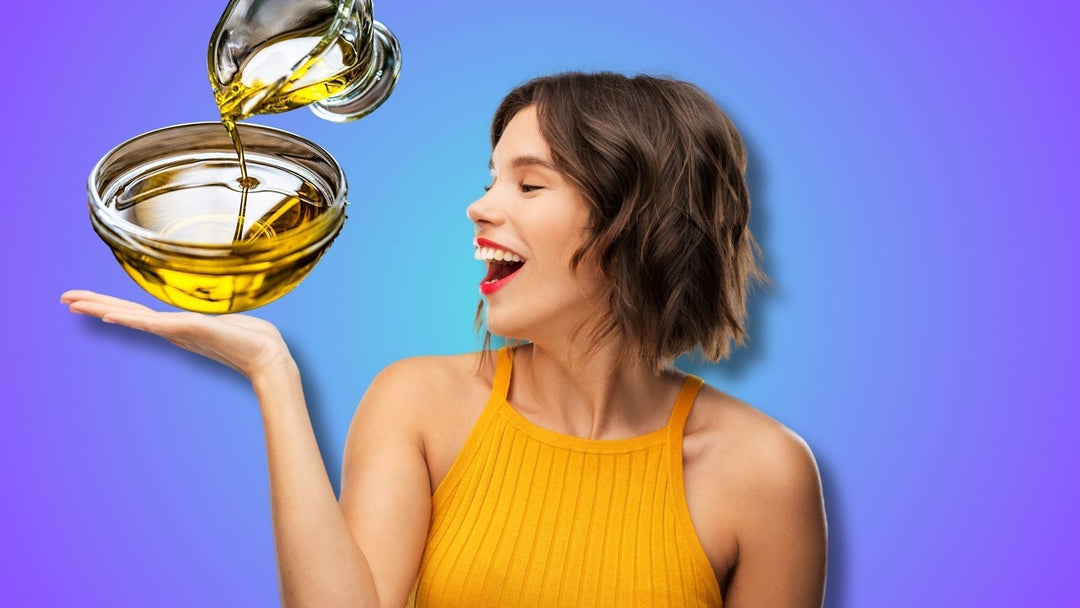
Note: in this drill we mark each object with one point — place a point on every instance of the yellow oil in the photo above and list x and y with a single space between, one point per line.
194 204
251 208
282 75
268 83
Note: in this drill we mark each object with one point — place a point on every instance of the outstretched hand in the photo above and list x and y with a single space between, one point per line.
246 344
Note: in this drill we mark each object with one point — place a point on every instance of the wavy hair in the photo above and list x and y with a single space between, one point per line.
663 170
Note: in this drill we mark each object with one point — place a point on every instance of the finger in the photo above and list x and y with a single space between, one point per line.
81 295
70 297
168 325
100 309
189 331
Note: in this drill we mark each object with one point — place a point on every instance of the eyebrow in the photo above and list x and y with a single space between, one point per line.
526 161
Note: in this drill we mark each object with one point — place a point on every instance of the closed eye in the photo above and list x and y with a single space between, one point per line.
524 187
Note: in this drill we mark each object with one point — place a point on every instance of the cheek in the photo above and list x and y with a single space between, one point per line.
575 233
556 232
554 237
592 280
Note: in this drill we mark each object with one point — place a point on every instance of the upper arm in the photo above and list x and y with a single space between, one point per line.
385 492
782 535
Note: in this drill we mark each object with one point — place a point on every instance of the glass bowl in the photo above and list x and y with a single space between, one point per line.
171 206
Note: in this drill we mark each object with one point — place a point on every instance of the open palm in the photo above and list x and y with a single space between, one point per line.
246 344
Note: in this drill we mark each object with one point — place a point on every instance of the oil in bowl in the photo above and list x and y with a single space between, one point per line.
172 206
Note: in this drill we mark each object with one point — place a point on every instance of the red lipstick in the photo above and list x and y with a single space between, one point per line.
488 287
482 242
499 272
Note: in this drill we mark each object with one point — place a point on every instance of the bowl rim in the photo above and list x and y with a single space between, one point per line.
125 231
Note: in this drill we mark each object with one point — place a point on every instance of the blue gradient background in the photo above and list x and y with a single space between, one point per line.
914 173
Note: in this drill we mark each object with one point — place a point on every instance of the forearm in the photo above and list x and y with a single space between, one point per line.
319 562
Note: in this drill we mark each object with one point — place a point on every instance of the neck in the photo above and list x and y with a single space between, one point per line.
596 395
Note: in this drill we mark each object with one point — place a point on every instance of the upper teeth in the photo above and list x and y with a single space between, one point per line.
491 254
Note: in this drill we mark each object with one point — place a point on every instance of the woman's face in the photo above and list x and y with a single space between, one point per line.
528 226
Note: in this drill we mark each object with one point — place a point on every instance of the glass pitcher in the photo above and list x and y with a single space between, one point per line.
269 56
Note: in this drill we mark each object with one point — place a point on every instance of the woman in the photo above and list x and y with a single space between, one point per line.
578 468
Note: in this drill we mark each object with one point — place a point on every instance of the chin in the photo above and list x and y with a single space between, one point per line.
507 326
510 331
538 321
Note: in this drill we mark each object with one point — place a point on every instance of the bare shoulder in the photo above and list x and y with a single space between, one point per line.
433 401
753 452
419 383
755 496
390 463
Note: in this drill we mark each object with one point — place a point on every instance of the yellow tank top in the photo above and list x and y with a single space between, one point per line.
530 517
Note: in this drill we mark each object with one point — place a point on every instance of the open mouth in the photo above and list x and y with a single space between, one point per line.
498 271
501 265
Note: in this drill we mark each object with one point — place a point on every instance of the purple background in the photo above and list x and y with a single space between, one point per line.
915 182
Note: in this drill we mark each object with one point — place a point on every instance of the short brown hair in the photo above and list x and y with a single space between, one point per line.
663 171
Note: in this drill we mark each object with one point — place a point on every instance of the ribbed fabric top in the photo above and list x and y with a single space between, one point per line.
530 517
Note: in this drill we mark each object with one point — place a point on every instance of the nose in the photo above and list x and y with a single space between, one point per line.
485 210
